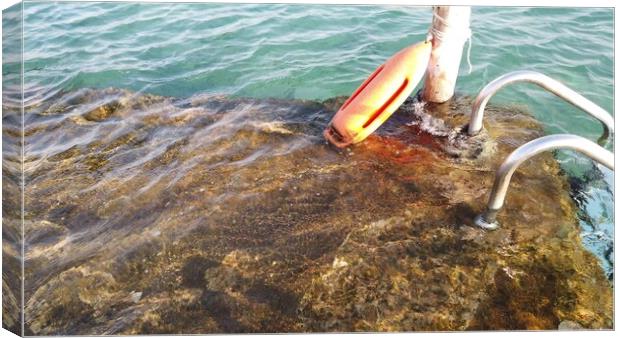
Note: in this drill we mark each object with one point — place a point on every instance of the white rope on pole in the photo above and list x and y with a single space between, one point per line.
466 34
448 32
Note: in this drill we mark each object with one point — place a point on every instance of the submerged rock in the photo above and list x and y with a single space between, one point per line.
211 214
567 325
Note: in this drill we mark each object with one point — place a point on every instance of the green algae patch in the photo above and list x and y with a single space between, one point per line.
149 214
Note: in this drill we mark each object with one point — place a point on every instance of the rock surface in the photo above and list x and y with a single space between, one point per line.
147 214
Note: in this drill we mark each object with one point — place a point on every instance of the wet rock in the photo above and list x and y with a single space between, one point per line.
43 231
567 325
215 214
102 112
135 296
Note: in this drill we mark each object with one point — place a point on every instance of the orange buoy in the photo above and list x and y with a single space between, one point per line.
379 96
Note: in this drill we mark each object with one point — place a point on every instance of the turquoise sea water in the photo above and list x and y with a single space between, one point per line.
319 52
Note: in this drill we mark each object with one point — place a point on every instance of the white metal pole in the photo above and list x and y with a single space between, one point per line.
449 31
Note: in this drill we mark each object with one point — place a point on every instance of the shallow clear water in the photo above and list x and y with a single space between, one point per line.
119 179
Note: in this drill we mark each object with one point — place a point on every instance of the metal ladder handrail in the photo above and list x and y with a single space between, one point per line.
487 219
556 87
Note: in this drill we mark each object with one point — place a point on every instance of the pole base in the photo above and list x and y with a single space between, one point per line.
485 222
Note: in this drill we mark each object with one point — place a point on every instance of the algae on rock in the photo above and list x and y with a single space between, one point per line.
210 214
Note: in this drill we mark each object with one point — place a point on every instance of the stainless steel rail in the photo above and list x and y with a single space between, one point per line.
557 88
487 220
